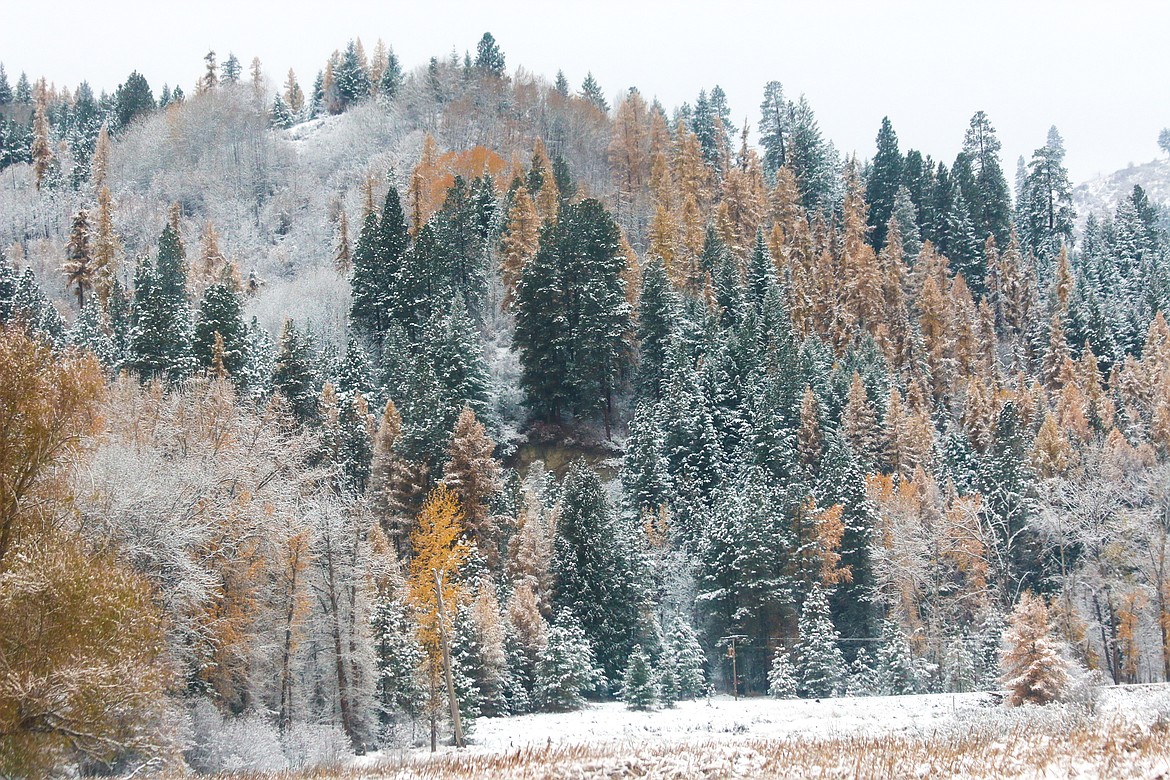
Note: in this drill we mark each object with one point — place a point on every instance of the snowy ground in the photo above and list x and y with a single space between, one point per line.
932 735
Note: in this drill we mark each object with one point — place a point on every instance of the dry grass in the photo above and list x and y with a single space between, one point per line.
1031 742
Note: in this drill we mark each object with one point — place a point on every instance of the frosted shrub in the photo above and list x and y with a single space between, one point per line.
312 746
248 743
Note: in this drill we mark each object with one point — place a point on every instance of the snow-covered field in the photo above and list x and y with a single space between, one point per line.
966 735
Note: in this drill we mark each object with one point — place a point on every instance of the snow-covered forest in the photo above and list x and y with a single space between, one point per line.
336 416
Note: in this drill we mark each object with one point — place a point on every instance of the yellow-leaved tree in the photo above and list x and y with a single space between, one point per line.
439 554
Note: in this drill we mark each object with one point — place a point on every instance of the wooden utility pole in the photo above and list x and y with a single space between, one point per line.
455 722
731 640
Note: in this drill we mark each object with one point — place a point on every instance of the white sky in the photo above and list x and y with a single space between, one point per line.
1099 71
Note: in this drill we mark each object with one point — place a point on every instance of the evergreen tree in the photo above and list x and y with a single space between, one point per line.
565 668
881 187
1008 506
5 88
572 317
644 474
293 377
488 57
591 92
350 78
231 69
220 314
594 573
689 661
640 689
774 127
819 662
391 83
89 332
161 340
79 268
863 677
782 676
398 689
981 180
655 326
132 99
1045 214
280 115
897 671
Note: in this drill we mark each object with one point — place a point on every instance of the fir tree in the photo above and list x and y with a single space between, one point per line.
161 340
655 326
220 314
897 671
594 573
640 689
591 92
565 668
1008 507
981 181
689 661
881 187
572 316
782 676
819 663
293 377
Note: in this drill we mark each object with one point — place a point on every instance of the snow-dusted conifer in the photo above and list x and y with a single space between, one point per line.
819 663
565 668
640 689
782 676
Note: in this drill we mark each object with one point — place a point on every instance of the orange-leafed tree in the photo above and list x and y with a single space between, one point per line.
1034 669
474 474
49 401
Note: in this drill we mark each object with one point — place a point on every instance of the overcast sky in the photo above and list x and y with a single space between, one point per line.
1099 71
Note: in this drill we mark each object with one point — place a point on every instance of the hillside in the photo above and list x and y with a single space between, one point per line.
1100 196
450 403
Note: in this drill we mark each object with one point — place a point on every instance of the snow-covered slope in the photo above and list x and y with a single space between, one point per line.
1100 196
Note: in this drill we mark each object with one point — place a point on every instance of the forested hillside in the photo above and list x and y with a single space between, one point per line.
321 404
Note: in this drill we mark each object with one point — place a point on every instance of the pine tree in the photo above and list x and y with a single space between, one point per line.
640 689
819 662
1045 214
782 676
1034 669
565 668
982 182
488 57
